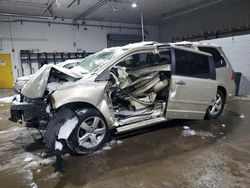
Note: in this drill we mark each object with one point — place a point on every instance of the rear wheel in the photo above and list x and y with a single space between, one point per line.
216 107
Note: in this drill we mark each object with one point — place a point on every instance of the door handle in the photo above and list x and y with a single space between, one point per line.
180 82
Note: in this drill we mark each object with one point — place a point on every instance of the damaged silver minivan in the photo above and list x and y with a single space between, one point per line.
120 89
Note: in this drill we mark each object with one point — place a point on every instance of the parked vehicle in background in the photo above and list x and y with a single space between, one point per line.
122 89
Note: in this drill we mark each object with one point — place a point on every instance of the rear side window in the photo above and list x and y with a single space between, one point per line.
191 64
165 57
140 60
218 59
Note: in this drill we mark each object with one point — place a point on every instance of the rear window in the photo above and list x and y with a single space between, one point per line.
218 59
191 64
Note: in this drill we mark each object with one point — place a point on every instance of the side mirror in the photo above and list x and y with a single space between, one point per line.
104 76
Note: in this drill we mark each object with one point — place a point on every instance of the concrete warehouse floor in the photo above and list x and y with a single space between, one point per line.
207 154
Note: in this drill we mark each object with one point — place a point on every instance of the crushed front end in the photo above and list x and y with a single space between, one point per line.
32 105
33 112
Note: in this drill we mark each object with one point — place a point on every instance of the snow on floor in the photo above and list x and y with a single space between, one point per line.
242 116
7 99
189 132
223 125
10 130
109 145
186 127
14 159
53 176
105 148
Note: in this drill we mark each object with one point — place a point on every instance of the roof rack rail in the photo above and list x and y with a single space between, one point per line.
163 46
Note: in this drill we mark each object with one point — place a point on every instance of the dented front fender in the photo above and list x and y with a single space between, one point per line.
92 93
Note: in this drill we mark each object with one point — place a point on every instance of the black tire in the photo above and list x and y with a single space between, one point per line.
209 115
54 126
73 143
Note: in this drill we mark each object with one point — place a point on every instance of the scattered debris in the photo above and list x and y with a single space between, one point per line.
221 133
223 125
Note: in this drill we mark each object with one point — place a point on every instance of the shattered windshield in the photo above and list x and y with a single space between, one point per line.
93 62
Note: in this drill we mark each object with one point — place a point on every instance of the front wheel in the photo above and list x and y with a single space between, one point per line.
90 134
216 107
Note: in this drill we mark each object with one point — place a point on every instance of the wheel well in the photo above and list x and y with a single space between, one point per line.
223 90
76 105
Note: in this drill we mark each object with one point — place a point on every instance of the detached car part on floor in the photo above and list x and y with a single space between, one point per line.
121 89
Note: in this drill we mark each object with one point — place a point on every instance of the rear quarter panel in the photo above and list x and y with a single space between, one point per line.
224 77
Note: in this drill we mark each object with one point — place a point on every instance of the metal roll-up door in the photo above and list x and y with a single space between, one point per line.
121 40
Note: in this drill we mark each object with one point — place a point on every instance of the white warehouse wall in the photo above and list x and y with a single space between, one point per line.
61 38
237 49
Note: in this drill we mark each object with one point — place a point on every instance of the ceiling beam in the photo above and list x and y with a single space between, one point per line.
91 9
190 9
25 4
49 5
72 24
72 2
24 16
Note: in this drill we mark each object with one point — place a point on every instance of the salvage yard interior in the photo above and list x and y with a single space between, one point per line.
128 93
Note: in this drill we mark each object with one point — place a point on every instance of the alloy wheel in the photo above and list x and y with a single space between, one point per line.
216 105
91 132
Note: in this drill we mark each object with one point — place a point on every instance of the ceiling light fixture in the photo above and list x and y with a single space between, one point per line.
134 5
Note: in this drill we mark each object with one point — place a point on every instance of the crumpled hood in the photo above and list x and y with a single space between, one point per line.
36 86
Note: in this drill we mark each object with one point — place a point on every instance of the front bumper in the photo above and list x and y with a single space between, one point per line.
32 114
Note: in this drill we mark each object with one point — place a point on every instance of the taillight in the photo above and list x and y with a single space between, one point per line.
233 75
